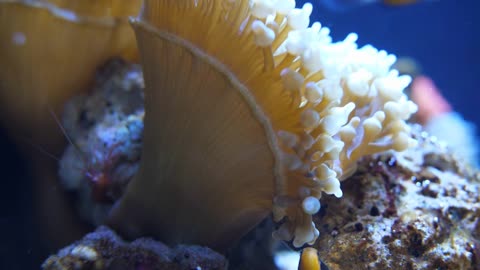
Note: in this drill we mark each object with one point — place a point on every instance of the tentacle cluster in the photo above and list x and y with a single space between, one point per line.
351 105
330 103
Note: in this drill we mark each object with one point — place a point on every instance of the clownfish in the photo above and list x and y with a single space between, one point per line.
341 5
309 260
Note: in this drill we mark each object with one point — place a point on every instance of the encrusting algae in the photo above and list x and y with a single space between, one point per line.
249 110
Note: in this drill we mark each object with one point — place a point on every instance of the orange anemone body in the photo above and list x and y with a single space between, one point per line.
50 51
249 111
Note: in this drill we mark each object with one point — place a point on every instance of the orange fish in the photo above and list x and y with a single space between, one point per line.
342 5
309 259
399 2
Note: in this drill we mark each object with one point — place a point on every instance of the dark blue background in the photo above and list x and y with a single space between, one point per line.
443 35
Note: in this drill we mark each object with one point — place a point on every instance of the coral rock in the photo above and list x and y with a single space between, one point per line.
419 209
103 249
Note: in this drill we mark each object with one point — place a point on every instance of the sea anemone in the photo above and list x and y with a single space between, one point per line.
250 111
50 50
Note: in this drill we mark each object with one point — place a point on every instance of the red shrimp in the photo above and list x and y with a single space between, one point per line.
99 177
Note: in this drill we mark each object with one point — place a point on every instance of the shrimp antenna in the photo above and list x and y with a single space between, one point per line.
52 113
59 124
40 149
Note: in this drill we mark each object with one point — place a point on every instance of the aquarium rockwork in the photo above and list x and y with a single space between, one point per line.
249 134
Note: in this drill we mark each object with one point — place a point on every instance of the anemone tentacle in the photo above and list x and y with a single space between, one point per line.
327 103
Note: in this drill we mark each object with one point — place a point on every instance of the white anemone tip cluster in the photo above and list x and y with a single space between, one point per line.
352 105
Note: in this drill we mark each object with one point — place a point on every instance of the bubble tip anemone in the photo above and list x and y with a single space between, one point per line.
247 110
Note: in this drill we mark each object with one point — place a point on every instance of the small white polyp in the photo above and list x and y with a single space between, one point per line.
311 205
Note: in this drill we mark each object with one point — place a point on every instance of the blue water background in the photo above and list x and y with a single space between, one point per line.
443 35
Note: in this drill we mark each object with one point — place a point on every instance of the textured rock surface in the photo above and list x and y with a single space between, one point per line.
103 249
419 209
106 128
